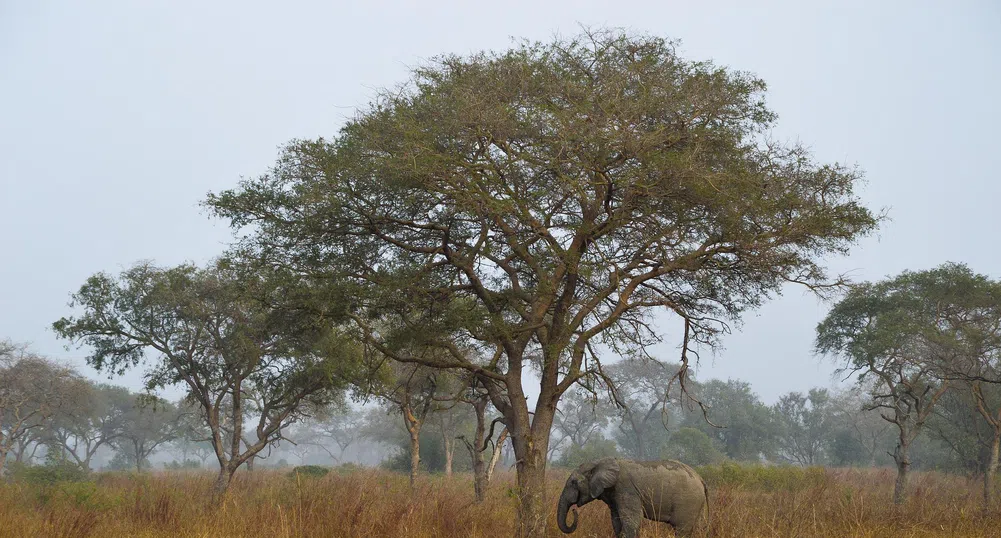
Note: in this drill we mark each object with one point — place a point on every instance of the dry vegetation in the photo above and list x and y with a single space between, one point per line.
368 503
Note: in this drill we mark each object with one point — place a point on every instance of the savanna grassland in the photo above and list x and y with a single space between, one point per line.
745 501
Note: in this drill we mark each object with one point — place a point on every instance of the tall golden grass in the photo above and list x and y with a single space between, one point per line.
745 502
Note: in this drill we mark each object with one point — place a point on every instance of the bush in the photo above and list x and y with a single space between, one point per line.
182 466
50 474
308 471
347 468
763 478
82 495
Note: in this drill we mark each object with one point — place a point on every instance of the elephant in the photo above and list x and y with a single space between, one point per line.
667 491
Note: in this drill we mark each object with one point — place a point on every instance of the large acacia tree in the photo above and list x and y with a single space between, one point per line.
540 200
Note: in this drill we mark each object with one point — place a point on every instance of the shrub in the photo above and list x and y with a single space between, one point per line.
50 474
308 471
181 466
764 478
346 468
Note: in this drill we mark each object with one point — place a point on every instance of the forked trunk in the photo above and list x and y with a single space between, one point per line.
530 451
222 482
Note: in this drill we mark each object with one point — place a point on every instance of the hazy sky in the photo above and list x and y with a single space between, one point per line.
116 118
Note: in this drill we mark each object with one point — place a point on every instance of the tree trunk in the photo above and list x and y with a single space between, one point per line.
415 456
532 495
991 470
902 458
530 448
222 481
495 457
476 449
3 461
449 454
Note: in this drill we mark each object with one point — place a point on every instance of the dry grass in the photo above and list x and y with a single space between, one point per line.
744 502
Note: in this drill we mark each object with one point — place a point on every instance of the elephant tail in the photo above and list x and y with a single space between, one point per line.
705 489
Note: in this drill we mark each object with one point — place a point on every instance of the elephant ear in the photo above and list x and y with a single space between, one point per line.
606 472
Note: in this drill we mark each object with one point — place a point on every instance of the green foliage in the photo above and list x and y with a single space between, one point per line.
805 426
348 468
598 447
748 428
432 452
88 496
308 471
50 474
693 447
915 314
125 460
189 464
764 478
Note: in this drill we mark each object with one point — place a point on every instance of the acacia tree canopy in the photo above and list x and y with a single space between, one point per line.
545 196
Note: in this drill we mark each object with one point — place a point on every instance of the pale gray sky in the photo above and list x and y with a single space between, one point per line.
116 118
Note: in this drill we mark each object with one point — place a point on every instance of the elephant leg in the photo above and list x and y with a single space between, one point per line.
616 521
630 512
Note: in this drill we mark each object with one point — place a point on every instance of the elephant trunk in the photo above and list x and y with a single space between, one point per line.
566 500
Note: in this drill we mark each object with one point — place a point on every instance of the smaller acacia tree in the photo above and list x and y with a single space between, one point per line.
483 439
909 333
805 426
95 416
747 426
863 433
342 425
410 390
580 416
248 361
639 388
967 343
32 390
148 423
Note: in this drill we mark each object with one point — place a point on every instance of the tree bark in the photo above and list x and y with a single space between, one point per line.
415 456
903 461
530 448
3 461
495 457
476 449
222 481
991 470
449 453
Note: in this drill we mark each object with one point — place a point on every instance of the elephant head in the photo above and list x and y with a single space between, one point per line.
585 484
